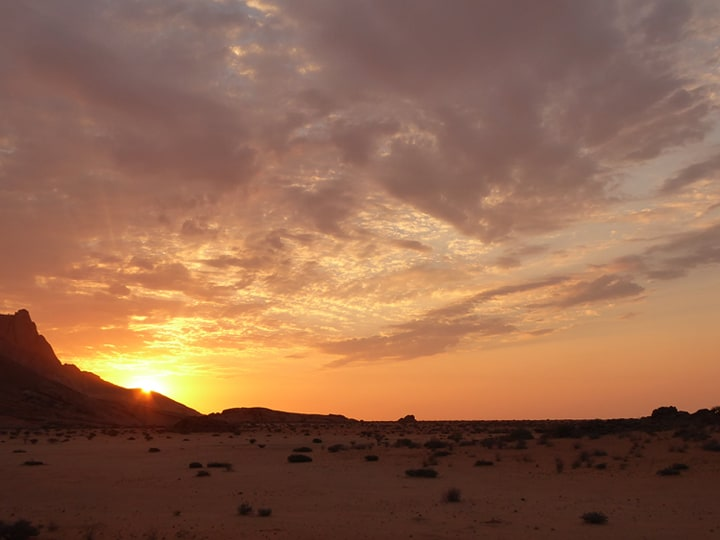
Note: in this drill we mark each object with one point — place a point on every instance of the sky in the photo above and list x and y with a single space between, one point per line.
458 210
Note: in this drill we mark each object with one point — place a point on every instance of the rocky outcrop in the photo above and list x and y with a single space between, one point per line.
19 339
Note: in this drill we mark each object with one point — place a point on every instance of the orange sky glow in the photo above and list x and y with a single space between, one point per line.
371 208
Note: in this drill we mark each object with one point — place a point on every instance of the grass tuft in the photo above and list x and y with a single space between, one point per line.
421 473
594 518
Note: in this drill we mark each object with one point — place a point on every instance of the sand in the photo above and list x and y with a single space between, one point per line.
104 484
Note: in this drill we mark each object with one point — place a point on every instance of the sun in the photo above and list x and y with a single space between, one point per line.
148 384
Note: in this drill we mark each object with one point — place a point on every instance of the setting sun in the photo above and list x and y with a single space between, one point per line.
148 384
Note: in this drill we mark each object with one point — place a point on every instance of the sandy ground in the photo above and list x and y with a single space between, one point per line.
111 486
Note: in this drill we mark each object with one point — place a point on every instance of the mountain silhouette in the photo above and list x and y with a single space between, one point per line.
37 389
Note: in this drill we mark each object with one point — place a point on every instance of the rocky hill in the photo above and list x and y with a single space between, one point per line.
36 388
261 415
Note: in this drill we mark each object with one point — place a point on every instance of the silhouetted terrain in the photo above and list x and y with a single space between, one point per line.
36 388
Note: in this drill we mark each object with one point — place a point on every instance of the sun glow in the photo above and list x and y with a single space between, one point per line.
149 384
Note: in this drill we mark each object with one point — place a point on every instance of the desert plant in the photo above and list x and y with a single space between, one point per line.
299 458
434 444
673 470
302 449
33 463
220 465
20 530
520 434
594 518
712 445
484 463
153 450
406 443
195 465
336 448
559 465
203 473
421 473
244 509
452 495
371 458
264 512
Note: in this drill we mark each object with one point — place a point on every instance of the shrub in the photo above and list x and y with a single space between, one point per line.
421 473
452 495
372 458
336 448
20 530
203 473
317 441
520 434
434 444
220 465
264 512
299 458
195 465
559 465
712 445
594 518
406 443
33 463
153 450
668 471
244 509
680 466
483 463
302 449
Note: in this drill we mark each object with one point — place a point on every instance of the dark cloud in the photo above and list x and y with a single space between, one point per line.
435 332
605 288
414 340
706 169
514 257
412 245
676 257
506 116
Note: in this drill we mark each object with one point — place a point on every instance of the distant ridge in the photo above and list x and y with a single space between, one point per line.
36 388
263 415
230 419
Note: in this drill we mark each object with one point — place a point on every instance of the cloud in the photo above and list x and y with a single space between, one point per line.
604 288
350 174
506 119
412 245
677 256
706 169
434 332
674 256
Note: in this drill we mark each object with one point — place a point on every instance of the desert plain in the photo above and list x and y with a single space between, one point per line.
494 480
